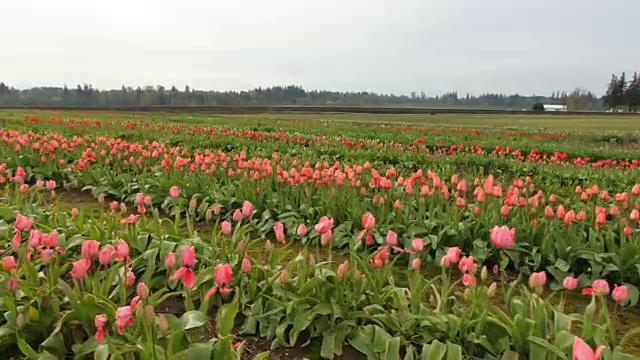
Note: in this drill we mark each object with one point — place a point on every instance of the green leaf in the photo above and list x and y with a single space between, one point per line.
197 351
539 348
262 356
454 352
392 351
192 319
327 350
510 355
362 342
302 321
47 356
102 352
26 349
433 351
226 317
631 334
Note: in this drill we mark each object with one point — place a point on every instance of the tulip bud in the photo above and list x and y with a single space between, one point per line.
492 289
484 273
163 324
432 300
149 314
267 245
312 260
467 293
20 320
240 247
284 276
142 290
496 269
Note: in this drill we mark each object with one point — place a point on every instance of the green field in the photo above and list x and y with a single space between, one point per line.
343 236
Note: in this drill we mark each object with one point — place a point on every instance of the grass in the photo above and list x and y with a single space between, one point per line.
591 124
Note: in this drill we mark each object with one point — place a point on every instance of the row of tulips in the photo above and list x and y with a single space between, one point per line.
583 230
79 283
415 142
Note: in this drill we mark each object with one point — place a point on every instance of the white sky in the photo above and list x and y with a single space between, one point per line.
384 46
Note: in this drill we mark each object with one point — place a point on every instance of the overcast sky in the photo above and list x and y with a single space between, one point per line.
529 47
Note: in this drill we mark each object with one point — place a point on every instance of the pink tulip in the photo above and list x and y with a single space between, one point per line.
170 260
129 279
620 293
187 275
74 212
24 188
23 223
124 318
278 229
90 249
51 240
397 204
302 230
247 209
222 274
570 283
106 254
35 238
246 264
121 250
188 256
343 268
467 264
142 290
237 216
368 222
13 284
226 227
392 238
582 351
174 192
468 280
324 225
80 268
9 263
415 264
51 185
600 287
502 237
537 280
417 244
451 257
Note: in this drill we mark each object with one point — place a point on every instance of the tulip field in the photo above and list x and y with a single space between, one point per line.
318 236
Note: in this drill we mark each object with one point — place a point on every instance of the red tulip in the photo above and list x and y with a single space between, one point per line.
13 284
368 222
188 256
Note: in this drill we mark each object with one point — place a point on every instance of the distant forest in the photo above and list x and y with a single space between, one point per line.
87 95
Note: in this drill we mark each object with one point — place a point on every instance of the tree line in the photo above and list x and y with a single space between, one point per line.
87 95
623 95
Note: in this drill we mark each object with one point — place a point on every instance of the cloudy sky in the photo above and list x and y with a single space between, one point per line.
530 47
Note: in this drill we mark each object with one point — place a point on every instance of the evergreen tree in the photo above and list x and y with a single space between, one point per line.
632 95
609 98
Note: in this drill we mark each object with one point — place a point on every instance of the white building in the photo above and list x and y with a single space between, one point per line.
550 107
